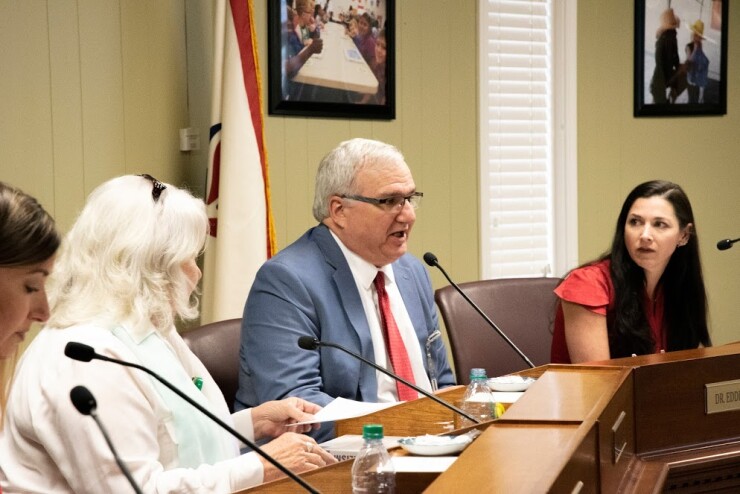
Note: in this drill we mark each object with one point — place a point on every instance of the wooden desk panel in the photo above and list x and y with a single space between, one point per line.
670 403
337 479
616 426
568 394
560 432
412 418
523 458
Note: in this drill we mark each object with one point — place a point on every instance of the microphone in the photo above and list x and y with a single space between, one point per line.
726 243
86 353
85 403
311 343
431 260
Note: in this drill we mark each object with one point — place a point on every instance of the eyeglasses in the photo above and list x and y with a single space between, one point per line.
157 186
390 204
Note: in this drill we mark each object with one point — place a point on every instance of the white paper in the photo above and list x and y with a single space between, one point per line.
346 447
422 463
507 396
342 408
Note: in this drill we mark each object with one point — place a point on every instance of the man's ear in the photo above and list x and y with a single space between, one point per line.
686 235
337 211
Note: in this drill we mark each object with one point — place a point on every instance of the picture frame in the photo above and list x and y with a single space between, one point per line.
347 78
693 79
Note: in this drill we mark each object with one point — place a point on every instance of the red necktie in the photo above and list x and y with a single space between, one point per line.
393 342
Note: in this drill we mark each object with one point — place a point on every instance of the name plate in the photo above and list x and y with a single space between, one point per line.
722 396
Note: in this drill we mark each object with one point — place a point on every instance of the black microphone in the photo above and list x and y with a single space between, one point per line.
84 402
311 343
431 260
726 243
86 353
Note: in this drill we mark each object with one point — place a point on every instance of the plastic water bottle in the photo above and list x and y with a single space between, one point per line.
372 471
478 399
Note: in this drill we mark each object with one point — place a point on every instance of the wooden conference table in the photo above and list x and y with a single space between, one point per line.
645 424
339 65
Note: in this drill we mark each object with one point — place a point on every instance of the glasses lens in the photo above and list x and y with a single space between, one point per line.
415 201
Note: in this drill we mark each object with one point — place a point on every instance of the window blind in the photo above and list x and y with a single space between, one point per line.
516 138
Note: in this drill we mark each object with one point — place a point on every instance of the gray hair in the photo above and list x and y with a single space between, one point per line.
122 260
338 170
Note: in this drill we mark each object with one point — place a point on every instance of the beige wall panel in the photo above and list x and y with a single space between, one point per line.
66 111
617 151
199 40
432 171
154 87
26 147
91 93
102 91
464 192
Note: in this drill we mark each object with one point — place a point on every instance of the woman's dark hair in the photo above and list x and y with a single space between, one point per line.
27 232
685 300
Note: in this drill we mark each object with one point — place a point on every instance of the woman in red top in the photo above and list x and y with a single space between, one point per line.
646 295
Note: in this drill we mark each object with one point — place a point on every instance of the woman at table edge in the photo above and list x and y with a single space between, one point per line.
646 295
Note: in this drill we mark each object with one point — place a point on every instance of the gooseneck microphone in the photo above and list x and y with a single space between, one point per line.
311 343
86 353
726 243
431 260
85 403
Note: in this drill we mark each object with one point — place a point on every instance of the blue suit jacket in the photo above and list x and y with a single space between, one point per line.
308 290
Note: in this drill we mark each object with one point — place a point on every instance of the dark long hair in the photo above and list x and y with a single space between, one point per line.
27 232
685 300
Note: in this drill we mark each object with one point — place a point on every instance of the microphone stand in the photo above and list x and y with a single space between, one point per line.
84 402
309 343
211 416
431 259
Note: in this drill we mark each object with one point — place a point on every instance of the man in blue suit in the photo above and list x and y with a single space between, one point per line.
322 286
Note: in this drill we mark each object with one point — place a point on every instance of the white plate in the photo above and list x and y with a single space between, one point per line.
510 383
435 445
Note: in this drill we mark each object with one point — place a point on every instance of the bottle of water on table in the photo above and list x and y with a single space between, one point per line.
372 471
478 399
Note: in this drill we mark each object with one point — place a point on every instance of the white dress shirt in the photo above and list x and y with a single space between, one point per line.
47 446
364 274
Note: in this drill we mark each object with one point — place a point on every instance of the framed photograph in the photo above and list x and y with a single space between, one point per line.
680 57
332 58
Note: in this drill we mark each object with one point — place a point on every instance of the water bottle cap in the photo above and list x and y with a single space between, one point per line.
477 373
372 431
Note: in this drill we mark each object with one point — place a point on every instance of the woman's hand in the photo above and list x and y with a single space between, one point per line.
273 418
297 452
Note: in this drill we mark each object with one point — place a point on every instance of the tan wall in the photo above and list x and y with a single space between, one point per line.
617 151
90 90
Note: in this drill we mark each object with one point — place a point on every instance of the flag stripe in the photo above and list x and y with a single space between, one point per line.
238 194
243 15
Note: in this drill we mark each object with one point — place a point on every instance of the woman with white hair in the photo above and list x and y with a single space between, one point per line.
125 273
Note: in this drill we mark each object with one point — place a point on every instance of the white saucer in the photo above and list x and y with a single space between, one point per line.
510 383
435 445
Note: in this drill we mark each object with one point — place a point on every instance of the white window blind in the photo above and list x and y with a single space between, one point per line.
517 138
